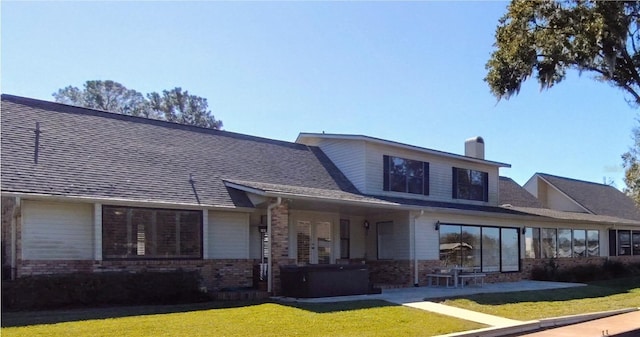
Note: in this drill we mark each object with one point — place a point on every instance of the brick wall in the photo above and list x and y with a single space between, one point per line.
216 274
279 243
391 272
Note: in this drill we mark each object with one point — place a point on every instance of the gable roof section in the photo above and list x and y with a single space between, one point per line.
511 193
96 154
597 198
304 136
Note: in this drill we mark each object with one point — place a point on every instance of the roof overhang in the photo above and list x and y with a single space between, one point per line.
306 135
121 201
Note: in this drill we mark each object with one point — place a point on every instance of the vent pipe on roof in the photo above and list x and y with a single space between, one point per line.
474 147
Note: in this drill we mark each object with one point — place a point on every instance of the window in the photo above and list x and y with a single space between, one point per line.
579 243
138 233
344 238
624 243
532 243
562 242
406 175
548 241
635 241
593 243
470 184
492 249
509 253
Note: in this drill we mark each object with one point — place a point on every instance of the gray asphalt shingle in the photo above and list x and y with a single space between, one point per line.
89 153
599 199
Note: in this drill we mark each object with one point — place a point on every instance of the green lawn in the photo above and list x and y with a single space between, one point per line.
530 305
362 318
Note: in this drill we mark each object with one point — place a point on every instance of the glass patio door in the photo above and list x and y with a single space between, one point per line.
314 244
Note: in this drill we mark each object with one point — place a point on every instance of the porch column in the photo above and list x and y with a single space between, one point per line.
279 242
97 232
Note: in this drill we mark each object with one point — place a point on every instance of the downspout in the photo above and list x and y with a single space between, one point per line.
416 281
17 209
269 268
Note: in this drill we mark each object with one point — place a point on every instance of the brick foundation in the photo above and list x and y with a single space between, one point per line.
391 272
216 274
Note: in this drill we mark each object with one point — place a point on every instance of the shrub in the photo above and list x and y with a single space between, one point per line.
101 289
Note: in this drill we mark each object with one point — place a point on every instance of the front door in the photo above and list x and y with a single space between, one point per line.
314 245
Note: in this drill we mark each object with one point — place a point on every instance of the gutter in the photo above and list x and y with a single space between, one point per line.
269 225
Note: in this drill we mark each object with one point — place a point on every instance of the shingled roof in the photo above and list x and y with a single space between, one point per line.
597 198
96 154
511 193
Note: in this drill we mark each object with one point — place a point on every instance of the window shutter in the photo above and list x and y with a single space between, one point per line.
425 178
613 242
454 185
485 178
385 170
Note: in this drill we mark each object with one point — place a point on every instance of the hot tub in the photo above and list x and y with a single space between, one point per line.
324 280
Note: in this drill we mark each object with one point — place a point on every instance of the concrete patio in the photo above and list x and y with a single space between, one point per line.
419 294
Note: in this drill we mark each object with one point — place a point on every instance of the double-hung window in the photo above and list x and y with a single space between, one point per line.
470 184
406 175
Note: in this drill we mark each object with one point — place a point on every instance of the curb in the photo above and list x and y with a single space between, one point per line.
544 323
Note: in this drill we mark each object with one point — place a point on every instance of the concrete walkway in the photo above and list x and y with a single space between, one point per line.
465 314
619 325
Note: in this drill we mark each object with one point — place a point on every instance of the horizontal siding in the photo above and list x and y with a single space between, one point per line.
440 174
348 156
228 235
57 231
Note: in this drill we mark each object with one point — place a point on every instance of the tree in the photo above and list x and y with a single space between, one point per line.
181 107
173 105
631 164
546 38
105 95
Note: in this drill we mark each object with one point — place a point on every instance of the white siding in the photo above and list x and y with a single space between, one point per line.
560 202
348 156
57 231
440 174
228 235
401 247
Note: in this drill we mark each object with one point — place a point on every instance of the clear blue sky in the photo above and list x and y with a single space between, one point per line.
410 72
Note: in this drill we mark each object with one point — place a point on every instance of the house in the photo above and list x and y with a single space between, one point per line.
91 191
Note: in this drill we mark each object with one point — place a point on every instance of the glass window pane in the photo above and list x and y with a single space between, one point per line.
548 243
470 246
415 185
532 243
470 184
150 233
593 243
564 243
579 243
397 183
509 254
450 245
636 242
624 242
490 249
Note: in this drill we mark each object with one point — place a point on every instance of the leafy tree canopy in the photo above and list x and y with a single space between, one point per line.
631 163
173 105
546 38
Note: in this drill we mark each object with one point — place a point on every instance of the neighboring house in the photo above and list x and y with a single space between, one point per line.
91 191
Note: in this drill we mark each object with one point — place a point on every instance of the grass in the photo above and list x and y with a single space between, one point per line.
530 305
362 318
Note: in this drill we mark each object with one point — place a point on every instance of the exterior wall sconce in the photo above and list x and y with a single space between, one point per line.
437 226
366 225
524 230
262 229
